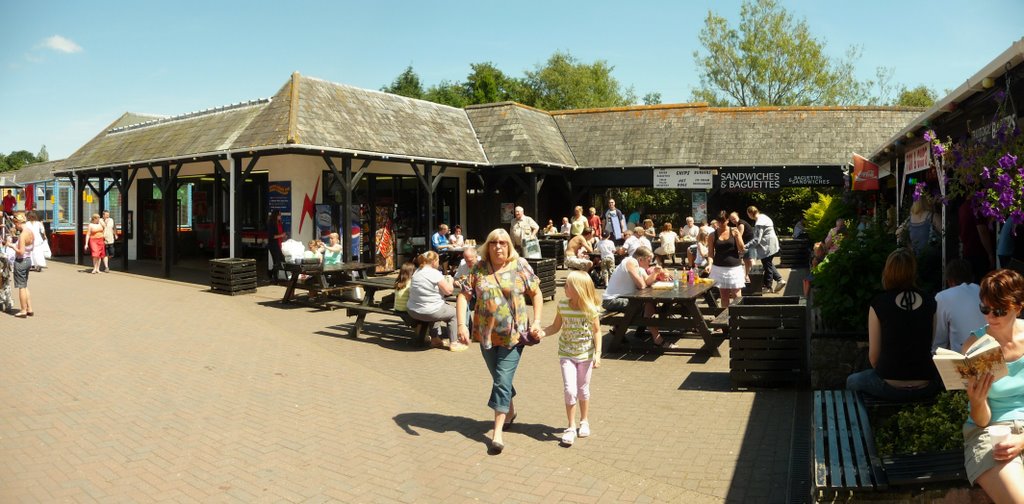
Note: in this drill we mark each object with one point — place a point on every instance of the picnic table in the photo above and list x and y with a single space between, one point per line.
323 282
675 309
368 305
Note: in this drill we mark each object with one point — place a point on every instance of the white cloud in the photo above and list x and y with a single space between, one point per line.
61 44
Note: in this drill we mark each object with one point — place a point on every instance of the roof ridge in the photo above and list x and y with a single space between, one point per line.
817 108
188 115
630 108
293 110
377 91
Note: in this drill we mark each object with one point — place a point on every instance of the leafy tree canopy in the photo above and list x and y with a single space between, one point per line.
562 82
16 159
772 59
406 84
921 96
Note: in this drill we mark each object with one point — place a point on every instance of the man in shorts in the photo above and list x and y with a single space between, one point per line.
577 251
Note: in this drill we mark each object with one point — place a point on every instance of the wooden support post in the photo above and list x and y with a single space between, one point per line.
346 209
218 219
536 181
79 210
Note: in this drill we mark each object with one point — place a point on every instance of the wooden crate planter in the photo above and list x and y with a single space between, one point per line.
794 253
768 341
553 249
233 276
545 270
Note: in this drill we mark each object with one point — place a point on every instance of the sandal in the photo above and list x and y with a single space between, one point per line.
21 314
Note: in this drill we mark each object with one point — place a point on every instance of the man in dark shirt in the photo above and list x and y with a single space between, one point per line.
976 238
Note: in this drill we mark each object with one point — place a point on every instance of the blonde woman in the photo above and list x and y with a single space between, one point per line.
501 280
579 348
95 243
667 248
332 250
426 298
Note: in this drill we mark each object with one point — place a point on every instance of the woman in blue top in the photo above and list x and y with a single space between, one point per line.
998 466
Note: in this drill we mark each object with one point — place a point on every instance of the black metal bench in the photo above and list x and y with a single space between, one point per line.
845 459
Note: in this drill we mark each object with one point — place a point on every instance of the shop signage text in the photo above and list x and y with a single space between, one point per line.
682 178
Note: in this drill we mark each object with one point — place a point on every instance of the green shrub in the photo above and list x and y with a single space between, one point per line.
822 214
924 428
847 279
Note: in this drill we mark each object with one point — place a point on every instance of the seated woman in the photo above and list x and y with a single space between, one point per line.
998 466
400 299
550 228
332 250
457 239
426 299
900 323
667 249
697 254
649 230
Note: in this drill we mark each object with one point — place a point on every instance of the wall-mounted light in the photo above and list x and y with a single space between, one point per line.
910 134
988 82
887 150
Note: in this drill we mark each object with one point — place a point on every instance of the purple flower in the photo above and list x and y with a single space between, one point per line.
1008 161
938 150
929 136
985 173
918 191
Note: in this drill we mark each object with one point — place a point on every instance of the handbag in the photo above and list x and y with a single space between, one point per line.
44 248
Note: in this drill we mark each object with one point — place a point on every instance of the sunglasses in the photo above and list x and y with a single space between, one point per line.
499 242
997 312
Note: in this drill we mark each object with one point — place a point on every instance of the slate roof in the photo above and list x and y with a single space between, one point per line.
768 136
653 135
312 113
35 172
351 118
511 133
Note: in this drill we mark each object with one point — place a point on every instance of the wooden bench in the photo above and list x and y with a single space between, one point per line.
845 458
360 311
844 446
768 341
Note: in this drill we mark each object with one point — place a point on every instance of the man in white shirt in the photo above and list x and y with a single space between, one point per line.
630 276
956 308
636 241
688 233
523 228
108 239
566 227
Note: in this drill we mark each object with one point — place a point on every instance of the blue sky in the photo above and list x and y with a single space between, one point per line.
68 68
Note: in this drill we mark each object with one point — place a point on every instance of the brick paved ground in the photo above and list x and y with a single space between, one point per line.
126 388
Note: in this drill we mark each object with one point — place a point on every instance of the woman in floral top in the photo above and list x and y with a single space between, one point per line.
500 281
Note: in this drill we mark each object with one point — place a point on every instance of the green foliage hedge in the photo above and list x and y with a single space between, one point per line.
847 279
822 214
924 428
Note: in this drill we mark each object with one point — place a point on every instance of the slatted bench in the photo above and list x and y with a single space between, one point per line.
360 311
844 446
845 458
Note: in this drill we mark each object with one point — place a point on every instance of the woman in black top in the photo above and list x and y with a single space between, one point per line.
899 336
725 247
747 231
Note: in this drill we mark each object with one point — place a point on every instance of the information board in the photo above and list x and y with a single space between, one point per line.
682 178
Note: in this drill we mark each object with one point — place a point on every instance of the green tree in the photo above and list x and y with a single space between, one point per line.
43 156
406 84
16 159
448 93
772 59
920 96
487 84
565 83
652 98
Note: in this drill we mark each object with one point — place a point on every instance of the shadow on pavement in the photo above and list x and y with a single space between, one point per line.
475 430
762 472
711 381
382 335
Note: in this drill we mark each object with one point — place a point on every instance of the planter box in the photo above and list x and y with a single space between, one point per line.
545 271
768 341
233 276
794 253
553 249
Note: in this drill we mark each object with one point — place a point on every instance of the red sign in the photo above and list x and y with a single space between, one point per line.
865 174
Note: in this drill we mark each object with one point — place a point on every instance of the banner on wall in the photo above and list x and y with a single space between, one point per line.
279 197
385 240
507 212
773 178
916 160
699 206
682 178
324 221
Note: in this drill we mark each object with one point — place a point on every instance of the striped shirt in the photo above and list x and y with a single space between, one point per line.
576 340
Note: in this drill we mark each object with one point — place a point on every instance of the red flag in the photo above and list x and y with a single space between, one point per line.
30 197
865 174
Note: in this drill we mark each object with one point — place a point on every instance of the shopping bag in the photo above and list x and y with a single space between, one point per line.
531 248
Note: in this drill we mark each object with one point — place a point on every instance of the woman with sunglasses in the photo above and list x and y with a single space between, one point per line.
900 321
998 405
500 280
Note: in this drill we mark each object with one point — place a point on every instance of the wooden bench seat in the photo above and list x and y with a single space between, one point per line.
845 458
721 321
360 311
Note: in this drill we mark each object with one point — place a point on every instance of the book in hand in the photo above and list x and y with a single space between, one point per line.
984 356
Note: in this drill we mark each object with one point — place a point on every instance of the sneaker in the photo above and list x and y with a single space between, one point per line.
781 284
584 428
457 347
569 436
